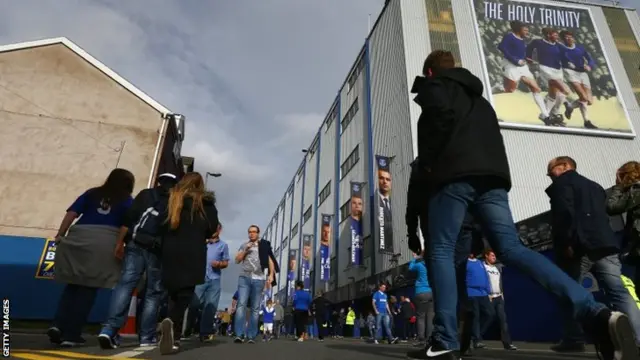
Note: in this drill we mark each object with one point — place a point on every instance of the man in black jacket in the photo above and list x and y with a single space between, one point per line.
136 262
584 242
461 149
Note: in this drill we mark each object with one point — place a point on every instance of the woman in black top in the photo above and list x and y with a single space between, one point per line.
192 218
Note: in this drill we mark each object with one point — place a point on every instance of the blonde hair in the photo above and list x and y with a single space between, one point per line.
629 173
191 185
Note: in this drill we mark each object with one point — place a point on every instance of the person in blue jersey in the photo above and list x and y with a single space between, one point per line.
423 298
268 315
515 69
85 254
380 303
301 310
576 64
207 295
478 289
548 54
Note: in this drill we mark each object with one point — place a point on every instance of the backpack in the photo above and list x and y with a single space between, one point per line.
147 232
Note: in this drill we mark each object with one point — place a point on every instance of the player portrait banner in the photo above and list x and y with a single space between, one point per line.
292 267
325 247
47 261
307 242
383 198
356 213
547 70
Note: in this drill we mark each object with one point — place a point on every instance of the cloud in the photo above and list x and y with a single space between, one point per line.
295 130
253 78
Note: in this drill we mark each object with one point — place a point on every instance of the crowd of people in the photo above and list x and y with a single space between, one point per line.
458 188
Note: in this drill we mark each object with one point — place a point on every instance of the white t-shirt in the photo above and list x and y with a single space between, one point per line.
494 279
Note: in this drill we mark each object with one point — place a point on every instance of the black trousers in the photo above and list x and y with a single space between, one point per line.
301 318
320 321
179 301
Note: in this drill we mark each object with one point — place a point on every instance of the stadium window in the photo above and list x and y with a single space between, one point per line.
442 27
284 242
332 117
345 210
300 172
626 44
350 162
314 147
324 194
351 113
353 77
307 215
294 231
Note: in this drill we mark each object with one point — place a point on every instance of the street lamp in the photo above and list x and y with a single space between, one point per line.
206 178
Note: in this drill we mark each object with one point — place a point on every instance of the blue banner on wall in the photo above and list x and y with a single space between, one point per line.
291 273
307 241
47 261
356 213
325 247
383 190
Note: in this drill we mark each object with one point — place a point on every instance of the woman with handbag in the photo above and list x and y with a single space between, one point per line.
84 253
625 198
192 219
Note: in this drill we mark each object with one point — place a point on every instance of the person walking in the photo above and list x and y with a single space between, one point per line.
140 257
278 319
207 295
461 148
319 310
383 318
584 242
259 267
423 299
85 259
192 218
301 306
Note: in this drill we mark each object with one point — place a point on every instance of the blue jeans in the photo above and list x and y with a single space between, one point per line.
206 297
249 297
447 210
383 322
137 261
607 272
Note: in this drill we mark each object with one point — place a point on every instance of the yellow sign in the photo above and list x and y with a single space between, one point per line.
47 260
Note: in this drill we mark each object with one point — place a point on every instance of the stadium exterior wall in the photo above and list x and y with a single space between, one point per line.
405 32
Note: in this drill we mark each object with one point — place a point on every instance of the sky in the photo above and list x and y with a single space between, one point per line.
254 79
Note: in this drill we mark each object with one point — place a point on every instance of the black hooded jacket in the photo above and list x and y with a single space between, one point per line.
458 131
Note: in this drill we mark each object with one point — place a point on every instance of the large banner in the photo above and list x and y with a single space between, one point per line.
307 241
325 247
547 69
292 268
385 219
357 206
47 261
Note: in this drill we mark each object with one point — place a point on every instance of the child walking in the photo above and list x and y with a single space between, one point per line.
268 313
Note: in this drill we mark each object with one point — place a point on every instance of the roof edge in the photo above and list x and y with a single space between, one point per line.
93 61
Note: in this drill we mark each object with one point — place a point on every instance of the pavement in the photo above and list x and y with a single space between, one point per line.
37 347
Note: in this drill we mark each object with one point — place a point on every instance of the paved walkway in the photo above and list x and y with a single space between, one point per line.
36 347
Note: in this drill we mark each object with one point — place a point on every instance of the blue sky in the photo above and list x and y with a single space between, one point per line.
254 78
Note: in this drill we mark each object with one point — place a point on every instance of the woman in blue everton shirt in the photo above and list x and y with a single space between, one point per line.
85 259
423 298
301 304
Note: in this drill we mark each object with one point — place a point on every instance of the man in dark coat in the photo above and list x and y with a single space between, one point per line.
461 149
584 242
